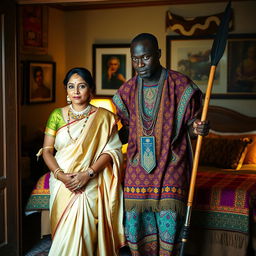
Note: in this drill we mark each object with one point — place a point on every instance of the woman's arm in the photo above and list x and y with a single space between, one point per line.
48 150
50 161
81 179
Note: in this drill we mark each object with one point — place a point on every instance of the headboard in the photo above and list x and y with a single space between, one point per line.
227 120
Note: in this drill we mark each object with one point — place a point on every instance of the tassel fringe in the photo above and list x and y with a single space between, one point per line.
155 206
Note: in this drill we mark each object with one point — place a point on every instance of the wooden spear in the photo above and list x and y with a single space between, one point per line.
217 51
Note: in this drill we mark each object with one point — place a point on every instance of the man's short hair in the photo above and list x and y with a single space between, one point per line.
146 36
37 69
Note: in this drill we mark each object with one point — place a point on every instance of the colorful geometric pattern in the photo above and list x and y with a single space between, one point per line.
137 192
172 170
152 233
40 196
224 201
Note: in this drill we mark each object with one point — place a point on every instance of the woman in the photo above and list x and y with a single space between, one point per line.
86 195
114 78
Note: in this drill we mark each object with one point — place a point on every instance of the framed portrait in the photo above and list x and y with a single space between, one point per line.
111 67
33 29
40 81
192 57
242 65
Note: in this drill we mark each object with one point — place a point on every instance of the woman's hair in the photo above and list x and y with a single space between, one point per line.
84 73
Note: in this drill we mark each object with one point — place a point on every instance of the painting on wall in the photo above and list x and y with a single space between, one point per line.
33 29
242 65
40 81
111 67
192 57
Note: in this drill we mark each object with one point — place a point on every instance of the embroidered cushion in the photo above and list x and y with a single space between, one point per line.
250 157
224 153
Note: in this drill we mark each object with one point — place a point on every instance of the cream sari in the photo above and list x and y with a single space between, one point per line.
90 223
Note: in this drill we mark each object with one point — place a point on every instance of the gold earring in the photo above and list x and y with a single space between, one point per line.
68 100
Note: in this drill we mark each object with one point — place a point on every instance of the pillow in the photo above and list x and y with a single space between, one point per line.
250 157
40 196
223 153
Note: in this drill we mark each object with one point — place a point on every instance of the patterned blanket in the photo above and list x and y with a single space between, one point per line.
40 196
224 201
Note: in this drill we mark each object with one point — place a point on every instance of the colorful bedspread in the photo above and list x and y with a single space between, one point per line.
224 201
40 196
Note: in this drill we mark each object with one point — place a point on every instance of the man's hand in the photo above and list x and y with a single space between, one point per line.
199 127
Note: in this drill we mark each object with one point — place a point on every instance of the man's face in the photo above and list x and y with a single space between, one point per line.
39 77
145 58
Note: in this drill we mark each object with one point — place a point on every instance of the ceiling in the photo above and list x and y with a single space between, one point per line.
71 5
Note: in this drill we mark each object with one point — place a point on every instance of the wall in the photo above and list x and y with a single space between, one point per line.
34 116
85 28
72 34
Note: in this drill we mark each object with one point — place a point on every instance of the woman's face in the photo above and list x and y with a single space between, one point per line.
114 65
78 90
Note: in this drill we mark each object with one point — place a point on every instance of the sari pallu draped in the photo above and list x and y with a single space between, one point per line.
166 186
89 223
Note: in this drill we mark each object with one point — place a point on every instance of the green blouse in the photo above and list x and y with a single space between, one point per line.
54 122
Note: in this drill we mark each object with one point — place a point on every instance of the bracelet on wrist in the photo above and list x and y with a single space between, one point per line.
56 172
91 172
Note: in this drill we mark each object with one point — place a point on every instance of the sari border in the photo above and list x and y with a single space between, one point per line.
74 121
72 201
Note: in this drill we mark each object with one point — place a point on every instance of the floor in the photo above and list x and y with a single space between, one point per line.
33 245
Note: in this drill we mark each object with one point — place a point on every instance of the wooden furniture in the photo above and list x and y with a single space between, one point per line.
223 220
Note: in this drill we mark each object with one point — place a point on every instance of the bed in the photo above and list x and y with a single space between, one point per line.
224 209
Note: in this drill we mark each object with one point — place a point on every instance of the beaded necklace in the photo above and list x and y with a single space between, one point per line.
78 114
148 131
147 141
78 117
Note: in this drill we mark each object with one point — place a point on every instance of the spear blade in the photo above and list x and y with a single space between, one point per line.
219 43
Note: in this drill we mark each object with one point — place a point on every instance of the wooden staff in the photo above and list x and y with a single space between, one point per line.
217 51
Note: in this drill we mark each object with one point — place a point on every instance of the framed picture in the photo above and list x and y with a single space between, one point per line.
33 29
192 56
242 65
40 81
111 67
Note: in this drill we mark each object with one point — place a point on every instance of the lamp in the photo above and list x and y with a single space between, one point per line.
107 104
104 103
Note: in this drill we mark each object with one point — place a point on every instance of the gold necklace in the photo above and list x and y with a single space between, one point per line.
85 121
78 114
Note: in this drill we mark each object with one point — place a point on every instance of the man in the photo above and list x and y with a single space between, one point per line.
159 107
41 90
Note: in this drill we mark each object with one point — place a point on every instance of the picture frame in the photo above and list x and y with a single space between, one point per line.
33 29
39 81
191 56
111 67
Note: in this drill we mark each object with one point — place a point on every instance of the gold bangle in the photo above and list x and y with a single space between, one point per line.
56 171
